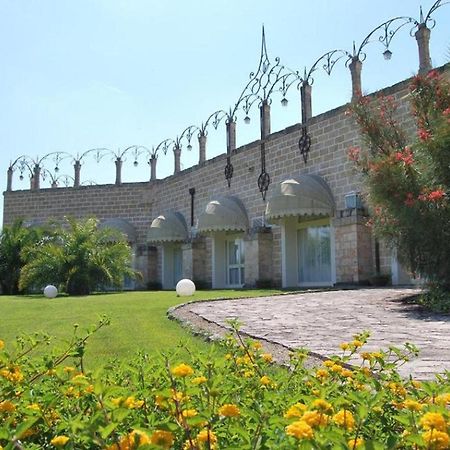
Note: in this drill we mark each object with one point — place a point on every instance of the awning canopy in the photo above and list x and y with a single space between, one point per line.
303 195
223 214
168 227
121 225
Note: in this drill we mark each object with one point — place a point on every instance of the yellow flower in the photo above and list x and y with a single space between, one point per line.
189 413
344 418
267 357
199 380
443 399
347 373
257 345
296 410
160 401
355 443
131 403
12 373
182 370
412 405
162 438
34 407
59 441
248 373
433 421
322 405
328 363
207 437
397 389
315 418
2 344
416 384
69 369
437 440
228 356
336 368
300 430
321 374
366 356
344 346
266 381
133 440
7 406
229 410
357 343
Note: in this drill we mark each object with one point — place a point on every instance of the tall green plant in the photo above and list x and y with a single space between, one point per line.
80 257
408 179
13 239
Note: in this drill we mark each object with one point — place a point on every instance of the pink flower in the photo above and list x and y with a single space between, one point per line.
354 153
446 112
436 195
423 134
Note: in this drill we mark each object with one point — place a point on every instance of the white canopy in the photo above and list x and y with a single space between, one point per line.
223 214
168 227
304 195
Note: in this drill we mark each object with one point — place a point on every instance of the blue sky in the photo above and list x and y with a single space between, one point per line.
83 74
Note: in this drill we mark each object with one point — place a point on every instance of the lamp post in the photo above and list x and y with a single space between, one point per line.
34 166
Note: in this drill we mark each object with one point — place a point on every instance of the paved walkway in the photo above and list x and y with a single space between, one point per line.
320 321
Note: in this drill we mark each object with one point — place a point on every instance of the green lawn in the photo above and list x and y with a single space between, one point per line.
138 320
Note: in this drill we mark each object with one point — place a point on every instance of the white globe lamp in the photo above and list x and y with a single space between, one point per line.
50 291
185 288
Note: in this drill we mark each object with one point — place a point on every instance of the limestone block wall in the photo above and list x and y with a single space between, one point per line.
332 133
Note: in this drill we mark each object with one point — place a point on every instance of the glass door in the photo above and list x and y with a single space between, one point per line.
235 262
314 255
177 264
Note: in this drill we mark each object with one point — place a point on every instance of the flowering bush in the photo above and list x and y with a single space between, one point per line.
231 399
407 179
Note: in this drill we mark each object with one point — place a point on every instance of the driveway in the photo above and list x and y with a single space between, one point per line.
320 321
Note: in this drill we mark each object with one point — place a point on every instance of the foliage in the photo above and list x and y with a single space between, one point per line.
237 401
13 239
408 186
80 256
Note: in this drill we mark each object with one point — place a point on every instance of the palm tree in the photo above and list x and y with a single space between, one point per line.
80 257
13 240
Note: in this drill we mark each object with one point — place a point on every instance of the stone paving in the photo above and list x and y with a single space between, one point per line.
320 321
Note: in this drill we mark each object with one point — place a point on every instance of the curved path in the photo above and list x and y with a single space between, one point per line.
320 321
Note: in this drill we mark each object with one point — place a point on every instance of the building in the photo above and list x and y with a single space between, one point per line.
287 213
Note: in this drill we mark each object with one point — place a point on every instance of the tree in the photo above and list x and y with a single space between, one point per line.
80 256
408 179
13 239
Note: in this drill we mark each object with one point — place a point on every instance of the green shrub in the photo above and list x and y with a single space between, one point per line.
240 400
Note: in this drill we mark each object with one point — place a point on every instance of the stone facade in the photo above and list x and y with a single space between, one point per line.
332 133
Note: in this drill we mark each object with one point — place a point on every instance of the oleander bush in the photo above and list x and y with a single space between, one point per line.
237 400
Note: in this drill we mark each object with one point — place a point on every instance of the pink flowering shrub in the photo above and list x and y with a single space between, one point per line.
407 178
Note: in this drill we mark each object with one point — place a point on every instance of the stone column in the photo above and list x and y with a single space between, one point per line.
355 70
152 163
305 96
202 148
36 177
423 42
77 170
231 136
177 160
9 179
264 112
118 163
258 258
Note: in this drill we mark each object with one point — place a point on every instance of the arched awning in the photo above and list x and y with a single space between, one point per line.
223 214
121 225
168 227
304 195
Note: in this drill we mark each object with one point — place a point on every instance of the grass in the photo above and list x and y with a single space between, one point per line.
138 320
